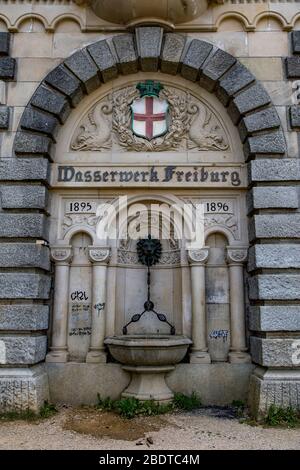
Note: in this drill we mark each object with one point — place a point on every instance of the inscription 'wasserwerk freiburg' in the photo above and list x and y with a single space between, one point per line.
169 175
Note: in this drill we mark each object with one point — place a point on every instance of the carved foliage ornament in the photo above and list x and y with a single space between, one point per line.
61 254
150 117
99 254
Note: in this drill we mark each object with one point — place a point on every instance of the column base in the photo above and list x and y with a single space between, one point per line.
239 357
57 356
23 388
96 356
200 357
148 383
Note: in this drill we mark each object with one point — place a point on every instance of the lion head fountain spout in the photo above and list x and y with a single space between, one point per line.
148 357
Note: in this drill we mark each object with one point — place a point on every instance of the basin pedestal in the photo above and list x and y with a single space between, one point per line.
148 383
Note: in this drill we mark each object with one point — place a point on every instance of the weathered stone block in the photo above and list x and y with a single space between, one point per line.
23 388
262 120
274 287
22 197
24 286
294 112
275 226
7 68
295 35
274 256
149 41
172 50
125 49
65 82
268 197
23 349
24 317
4 43
275 352
104 59
85 70
272 143
292 67
24 169
23 226
4 117
24 255
286 169
274 318
247 101
51 101
237 78
215 68
35 120
194 58
28 143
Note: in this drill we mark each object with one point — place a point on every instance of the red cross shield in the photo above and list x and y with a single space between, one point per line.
149 117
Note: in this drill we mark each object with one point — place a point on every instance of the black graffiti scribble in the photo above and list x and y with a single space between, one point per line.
79 295
99 307
219 334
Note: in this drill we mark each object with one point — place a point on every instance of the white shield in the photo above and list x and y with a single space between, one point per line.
149 117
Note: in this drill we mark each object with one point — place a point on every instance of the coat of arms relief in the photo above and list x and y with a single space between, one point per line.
150 117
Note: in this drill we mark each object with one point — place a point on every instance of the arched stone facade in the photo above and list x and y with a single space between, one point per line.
272 290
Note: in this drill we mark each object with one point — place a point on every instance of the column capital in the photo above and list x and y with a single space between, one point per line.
236 254
61 254
99 254
198 256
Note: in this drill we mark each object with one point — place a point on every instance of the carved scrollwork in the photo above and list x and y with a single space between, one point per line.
236 254
61 254
167 257
198 256
70 220
99 254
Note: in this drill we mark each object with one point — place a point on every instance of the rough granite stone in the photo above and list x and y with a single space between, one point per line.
247 101
23 197
262 120
275 226
274 287
273 256
148 42
194 58
172 50
275 352
7 68
4 117
268 197
284 169
125 49
32 144
274 318
23 226
24 255
24 317
215 68
23 349
294 113
24 169
65 82
295 36
85 70
237 78
51 101
4 43
24 286
104 59
292 67
23 388
271 143
37 121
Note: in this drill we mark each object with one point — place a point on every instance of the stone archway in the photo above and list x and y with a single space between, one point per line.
250 108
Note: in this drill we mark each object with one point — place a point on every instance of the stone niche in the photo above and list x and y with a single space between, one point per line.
100 284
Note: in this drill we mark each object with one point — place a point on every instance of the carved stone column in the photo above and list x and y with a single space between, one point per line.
236 257
62 256
197 260
99 256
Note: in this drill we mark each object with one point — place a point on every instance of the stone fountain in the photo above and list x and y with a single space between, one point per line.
148 357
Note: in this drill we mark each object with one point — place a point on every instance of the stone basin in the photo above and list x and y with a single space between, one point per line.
148 358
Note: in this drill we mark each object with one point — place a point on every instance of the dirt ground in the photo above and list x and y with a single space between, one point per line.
84 428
